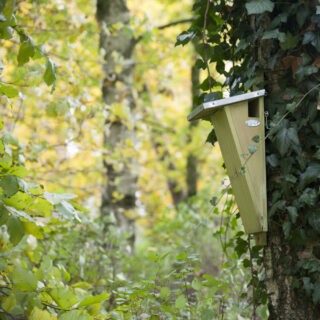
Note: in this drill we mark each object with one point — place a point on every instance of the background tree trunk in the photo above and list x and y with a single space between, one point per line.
119 196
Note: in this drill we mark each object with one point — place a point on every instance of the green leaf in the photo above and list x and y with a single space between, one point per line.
316 155
259 6
5 161
212 138
316 293
309 196
180 302
311 174
4 215
286 227
50 73
19 171
252 149
285 137
8 91
19 213
305 71
9 303
256 139
94 299
26 50
9 184
291 106
274 34
38 314
182 256
24 279
165 292
32 228
196 284
76 315
64 297
40 207
19 201
56 198
289 42
67 210
15 229
184 38
293 214
307 285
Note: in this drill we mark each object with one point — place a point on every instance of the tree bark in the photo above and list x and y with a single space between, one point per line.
119 196
192 172
284 302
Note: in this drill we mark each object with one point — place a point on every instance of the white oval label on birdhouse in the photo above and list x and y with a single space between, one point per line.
253 123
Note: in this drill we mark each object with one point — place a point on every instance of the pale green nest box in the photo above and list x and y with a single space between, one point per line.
239 125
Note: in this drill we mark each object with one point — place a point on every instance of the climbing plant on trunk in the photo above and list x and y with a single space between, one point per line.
276 45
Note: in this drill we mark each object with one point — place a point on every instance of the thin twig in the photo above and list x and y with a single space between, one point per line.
174 23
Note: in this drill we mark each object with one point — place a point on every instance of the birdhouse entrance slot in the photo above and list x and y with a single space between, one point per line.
253 108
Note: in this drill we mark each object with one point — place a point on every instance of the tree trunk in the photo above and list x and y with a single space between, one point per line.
119 196
192 172
284 301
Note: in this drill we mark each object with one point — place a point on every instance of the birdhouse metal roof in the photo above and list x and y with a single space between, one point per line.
207 108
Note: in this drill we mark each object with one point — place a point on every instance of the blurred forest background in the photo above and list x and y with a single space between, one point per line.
175 251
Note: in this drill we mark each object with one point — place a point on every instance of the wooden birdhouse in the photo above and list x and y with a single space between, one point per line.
239 126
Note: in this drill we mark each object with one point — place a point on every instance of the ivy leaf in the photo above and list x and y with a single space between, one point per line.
26 50
286 227
50 73
94 299
285 137
181 301
316 293
184 38
305 71
256 139
289 42
259 6
274 34
307 285
252 149
309 196
314 220
293 214
311 174
212 137
213 96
